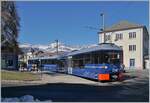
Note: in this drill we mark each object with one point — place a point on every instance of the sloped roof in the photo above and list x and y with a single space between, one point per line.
100 47
122 25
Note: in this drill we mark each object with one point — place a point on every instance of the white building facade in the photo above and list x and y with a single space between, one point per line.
25 57
133 38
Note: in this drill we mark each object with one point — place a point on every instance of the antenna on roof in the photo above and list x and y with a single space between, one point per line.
103 18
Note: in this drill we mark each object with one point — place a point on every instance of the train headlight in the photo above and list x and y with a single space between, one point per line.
103 67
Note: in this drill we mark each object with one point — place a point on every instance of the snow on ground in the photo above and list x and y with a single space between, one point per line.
25 98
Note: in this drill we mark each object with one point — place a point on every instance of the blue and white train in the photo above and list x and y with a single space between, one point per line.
52 63
101 62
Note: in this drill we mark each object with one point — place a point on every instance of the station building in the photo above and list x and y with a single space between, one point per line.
134 40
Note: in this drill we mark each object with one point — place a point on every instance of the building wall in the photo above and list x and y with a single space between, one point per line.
25 57
125 42
145 42
9 61
146 61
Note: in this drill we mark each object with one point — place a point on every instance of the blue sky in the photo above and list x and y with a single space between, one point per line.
44 22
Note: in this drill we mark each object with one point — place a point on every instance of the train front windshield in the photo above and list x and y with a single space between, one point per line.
115 61
99 57
115 58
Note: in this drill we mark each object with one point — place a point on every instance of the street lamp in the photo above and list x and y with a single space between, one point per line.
103 29
40 67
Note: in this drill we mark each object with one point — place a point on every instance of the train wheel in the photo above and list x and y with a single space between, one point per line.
120 76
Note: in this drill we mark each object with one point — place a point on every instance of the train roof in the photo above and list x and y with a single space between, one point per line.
99 47
50 57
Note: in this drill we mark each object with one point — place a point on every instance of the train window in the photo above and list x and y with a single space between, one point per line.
87 61
42 61
95 58
47 61
114 61
81 64
10 62
53 61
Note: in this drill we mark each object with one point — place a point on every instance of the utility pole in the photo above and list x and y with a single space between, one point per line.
56 46
103 29
40 67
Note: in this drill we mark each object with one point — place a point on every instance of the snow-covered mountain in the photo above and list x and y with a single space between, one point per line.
61 47
52 47
48 48
26 45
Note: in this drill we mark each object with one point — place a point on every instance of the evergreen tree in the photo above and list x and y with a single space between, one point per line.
9 26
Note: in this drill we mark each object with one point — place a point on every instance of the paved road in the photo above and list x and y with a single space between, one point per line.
66 88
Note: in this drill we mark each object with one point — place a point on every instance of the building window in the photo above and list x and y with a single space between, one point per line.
107 37
10 63
132 47
132 62
119 36
132 35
